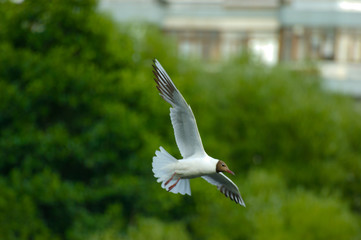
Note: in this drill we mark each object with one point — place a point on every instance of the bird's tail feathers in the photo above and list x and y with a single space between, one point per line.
164 169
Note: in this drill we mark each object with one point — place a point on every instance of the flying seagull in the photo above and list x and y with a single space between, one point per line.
175 174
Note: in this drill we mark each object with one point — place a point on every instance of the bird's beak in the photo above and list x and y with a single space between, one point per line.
229 171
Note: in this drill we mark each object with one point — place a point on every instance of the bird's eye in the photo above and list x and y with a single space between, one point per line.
223 165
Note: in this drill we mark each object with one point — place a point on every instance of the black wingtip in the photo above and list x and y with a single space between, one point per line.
153 64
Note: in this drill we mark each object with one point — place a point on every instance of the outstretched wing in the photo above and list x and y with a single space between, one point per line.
226 186
185 127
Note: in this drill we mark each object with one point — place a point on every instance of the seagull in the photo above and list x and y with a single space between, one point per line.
175 174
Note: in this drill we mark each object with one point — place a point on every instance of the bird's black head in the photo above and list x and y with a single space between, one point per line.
222 167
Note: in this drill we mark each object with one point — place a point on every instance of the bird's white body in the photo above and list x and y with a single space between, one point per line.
196 162
193 167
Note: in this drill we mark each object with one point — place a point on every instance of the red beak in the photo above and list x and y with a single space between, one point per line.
229 171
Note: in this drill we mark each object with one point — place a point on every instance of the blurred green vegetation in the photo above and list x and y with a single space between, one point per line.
80 120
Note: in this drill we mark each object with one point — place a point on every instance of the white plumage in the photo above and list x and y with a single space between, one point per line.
163 167
175 174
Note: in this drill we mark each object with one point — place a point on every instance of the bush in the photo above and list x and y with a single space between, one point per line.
274 212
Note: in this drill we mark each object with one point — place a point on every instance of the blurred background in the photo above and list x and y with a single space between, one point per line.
275 87
325 31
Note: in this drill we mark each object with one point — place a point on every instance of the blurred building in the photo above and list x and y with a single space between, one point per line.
210 29
328 31
219 29
321 30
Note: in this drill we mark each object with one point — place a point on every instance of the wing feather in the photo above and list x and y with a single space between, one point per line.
225 186
184 123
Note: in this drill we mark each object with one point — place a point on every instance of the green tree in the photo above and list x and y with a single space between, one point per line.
274 212
76 116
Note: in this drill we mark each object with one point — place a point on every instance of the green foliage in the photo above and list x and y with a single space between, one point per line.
283 120
274 212
19 216
296 214
80 120
155 229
